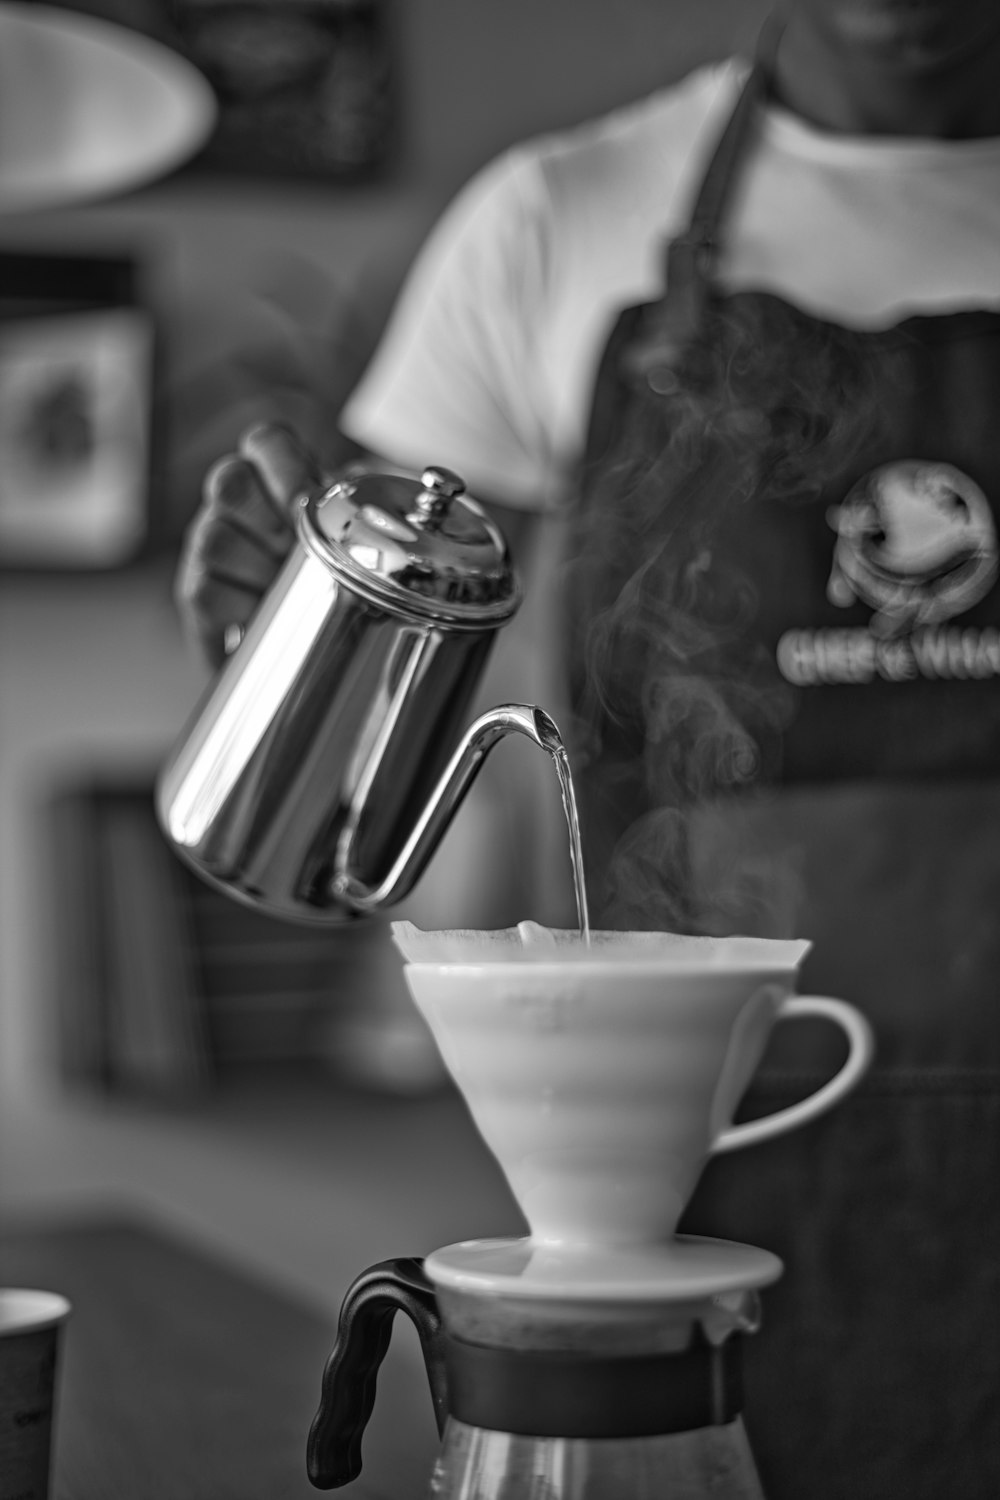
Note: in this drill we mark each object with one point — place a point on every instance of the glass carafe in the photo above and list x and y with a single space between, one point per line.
566 1400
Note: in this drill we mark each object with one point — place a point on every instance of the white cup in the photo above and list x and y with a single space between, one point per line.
30 1329
602 1085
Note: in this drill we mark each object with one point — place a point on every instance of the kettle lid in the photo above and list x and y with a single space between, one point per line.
420 547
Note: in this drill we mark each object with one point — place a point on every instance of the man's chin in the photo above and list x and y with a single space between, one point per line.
921 35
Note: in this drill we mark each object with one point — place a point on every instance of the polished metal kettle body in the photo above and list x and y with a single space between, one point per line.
574 1401
328 756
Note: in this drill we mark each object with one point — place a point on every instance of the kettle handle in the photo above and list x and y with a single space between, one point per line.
347 1398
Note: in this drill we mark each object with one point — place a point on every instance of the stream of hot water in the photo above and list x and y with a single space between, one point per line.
561 762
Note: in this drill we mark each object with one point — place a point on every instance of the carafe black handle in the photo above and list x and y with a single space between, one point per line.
347 1399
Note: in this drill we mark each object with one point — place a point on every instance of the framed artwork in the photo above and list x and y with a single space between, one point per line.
305 87
76 383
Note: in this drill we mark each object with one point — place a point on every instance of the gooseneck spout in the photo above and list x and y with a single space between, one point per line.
446 798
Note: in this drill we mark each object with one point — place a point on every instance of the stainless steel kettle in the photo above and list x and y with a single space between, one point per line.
330 753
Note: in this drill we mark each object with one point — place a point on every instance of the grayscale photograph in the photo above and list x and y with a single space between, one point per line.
499 749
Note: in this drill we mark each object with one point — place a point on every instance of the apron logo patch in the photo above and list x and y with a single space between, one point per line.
917 543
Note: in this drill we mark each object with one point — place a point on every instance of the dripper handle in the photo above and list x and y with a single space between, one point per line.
347 1399
861 1050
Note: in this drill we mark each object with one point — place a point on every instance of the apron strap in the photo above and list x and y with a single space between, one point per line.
691 257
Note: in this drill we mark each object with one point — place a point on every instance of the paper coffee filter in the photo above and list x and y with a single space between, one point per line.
530 942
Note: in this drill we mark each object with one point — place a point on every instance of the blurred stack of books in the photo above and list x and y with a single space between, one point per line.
161 984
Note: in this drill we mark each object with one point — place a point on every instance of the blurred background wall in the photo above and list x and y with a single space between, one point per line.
244 275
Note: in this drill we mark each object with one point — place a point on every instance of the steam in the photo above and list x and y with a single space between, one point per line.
677 708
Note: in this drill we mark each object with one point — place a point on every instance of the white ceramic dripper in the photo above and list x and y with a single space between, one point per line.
602 1079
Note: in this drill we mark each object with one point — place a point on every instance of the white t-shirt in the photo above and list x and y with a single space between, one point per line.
488 362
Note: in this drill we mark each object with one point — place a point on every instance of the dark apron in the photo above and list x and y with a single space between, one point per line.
785 663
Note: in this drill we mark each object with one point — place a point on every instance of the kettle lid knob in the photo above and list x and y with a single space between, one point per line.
440 488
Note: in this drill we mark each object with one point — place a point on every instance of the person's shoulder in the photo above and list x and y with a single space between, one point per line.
539 198
647 135
635 151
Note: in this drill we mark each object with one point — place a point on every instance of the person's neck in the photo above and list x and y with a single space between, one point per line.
870 95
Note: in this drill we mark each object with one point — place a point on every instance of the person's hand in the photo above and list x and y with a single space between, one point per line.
240 534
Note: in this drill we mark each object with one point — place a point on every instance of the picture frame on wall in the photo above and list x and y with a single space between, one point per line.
76 402
305 88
